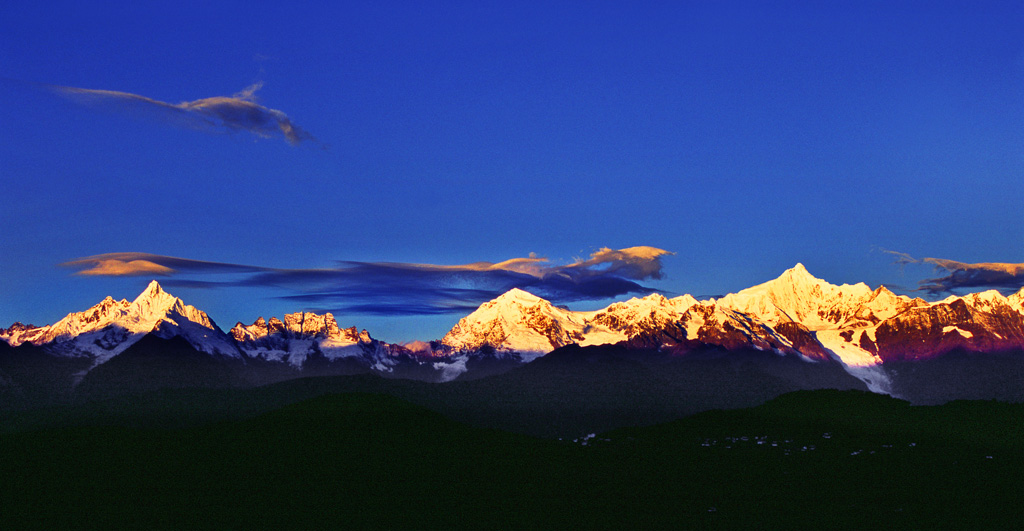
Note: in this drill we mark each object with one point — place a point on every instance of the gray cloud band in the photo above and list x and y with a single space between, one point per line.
961 275
403 288
238 112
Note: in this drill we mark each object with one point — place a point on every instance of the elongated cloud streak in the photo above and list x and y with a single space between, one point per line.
389 288
238 112
962 275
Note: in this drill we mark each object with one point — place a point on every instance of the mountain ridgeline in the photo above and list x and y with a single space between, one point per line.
791 333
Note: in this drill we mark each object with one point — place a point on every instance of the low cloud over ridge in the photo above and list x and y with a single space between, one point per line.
390 288
961 275
238 112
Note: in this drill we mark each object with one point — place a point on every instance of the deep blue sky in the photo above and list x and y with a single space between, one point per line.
744 137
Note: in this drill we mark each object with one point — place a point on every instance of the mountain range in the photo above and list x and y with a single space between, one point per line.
961 347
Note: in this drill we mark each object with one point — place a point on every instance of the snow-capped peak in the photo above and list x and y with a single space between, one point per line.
518 321
152 303
799 271
800 282
519 296
111 326
153 289
798 296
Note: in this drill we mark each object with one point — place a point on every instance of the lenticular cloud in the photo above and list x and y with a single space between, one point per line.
397 288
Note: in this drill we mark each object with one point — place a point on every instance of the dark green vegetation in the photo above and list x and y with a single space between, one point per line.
807 459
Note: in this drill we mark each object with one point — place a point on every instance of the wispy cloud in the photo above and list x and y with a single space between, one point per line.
390 288
961 275
239 112
901 258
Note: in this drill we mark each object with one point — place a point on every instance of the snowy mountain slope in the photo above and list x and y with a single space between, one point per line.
795 313
709 323
108 312
521 322
110 327
976 322
622 321
312 344
798 296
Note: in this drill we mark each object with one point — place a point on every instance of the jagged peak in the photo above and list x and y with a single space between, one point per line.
881 289
155 296
260 322
800 274
153 289
18 326
298 316
883 295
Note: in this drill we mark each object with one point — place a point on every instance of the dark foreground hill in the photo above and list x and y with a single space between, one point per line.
805 460
568 393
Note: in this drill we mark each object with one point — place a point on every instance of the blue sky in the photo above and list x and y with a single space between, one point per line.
743 137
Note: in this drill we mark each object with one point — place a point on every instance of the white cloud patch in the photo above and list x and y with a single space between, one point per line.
453 369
